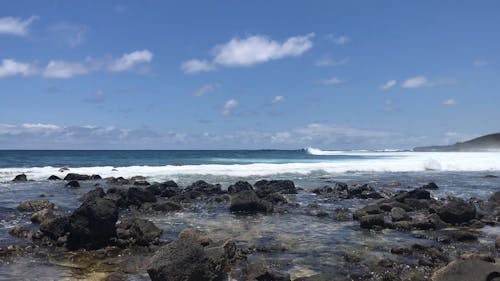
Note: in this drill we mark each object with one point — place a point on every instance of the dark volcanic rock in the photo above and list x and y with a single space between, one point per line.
165 189
273 276
54 178
265 187
203 188
42 215
137 231
76 177
35 205
468 270
399 214
418 193
372 221
247 201
457 211
19 231
138 196
92 225
73 184
95 177
55 227
167 206
431 185
239 186
118 181
186 259
20 178
93 194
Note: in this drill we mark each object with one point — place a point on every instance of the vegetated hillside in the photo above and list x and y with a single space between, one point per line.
485 143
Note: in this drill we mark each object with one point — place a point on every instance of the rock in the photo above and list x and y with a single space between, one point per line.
118 181
95 177
398 214
497 242
73 184
138 196
54 178
273 276
372 221
394 183
76 177
478 256
167 206
35 205
457 211
186 259
467 270
20 178
56 227
418 193
138 231
239 186
247 201
63 169
92 225
264 187
166 189
93 194
42 215
431 186
141 183
203 188
19 232
367 210
321 214
461 235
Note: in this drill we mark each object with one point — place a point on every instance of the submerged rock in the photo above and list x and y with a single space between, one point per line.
20 178
247 201
137 231
35 205
431 185
372 221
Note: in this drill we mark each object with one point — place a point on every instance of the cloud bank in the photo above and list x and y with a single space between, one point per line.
15 26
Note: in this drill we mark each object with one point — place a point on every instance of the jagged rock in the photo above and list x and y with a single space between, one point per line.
239 186
35 205
42 215
372 221
138 196
19 232
203 188
137 231
54 178
457 211
73 184
91 195
398 214
20 178
247 201
165 189
55 227
118 181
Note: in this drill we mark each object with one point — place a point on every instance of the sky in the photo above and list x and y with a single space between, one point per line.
247 74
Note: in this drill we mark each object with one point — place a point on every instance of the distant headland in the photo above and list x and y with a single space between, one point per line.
484 143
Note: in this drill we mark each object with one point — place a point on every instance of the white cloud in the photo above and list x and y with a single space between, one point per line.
450 102
278 99
63 69
338 39
207 88
333 81
480 63
389 84
15 26
229 106
194 66
422 81
69 34
10 67
130 60
250 51
327 61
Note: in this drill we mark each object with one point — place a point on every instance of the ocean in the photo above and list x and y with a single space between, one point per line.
314 245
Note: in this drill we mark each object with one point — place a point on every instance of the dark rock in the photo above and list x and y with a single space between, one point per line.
431 186
265 187
20 178
93 194
73 184
35 205
137 231
497 242
95 177
247 201
203 188
141 183
457 211
42 215
166 189
398 214
138 196
54 178
468 270
367 210
276 198
325 190
461 235
76 177
117 195
372 221
92 225
55 227
19 231
273 276
321 214
418 193
118 181
239 186
478 256
167 206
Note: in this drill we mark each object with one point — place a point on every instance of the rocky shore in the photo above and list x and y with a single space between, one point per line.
112 234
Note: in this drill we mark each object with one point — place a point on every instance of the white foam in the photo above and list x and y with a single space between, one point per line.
390 162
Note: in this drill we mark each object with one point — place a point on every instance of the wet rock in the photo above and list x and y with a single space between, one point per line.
141 183
19 232
457 211
165 189
20 178
239 186
73 184
137 231
118 181
325 190
275 199
461 235
138 196
478 256
201 187
320 277
367 210
372 221
273 276
418 193
92 225
76 177
167 206
95 177
42 215
54 178
247 201
497 242
187 259
399 214
321 214
431 186
468 270
35 205
56 227
93 194
265 187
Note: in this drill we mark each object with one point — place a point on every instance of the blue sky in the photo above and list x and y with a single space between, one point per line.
247 74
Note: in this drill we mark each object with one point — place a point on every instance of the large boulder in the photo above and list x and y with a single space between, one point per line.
35 205
92 225
372 221
247 201
73 184
55 227
203 188
136 231
191 258
265 187
239 186
93 194
138 196
20 178
468 270
165 189
457 211
76 177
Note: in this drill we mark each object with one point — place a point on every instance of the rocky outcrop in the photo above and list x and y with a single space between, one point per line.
35 205
239 186
20 178
247 201
136 231
457 211
265 187
138 196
